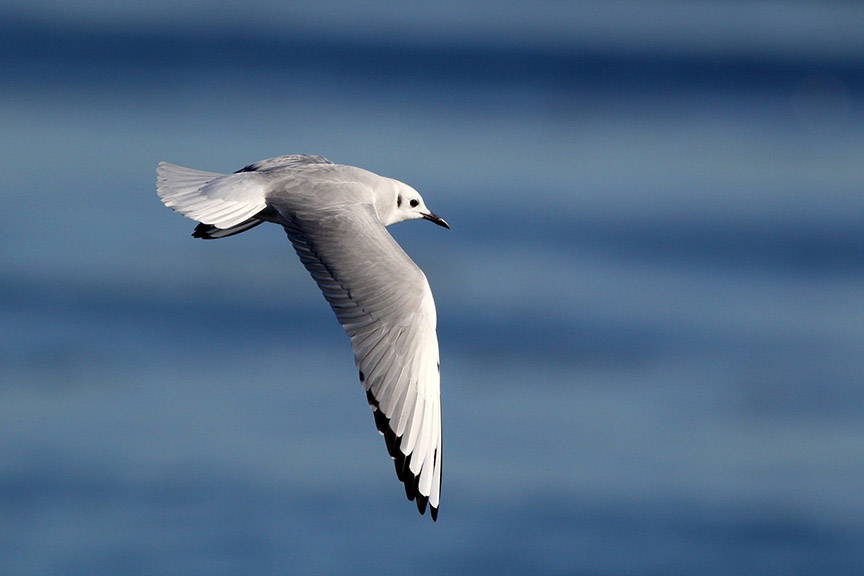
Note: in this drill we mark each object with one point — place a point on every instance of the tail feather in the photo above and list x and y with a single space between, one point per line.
217 200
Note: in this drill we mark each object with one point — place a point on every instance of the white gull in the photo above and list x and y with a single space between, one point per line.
335 216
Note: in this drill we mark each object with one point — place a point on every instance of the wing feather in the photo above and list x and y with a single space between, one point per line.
384 303
220 200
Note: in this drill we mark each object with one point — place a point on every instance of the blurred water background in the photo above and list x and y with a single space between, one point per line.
650 303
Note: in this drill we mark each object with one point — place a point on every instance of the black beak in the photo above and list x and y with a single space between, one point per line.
436 219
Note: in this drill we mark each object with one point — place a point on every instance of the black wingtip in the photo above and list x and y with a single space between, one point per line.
422 501
210 232
203 231
401 462
393 447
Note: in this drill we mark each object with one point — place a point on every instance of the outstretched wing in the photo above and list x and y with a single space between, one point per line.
383 301
219 200
226 204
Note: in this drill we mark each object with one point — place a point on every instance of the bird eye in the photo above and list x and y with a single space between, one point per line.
414 202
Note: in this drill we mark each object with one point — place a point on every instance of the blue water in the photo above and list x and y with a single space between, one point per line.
651 303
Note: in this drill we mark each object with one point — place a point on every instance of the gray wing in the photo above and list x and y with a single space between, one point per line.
289 161
383 301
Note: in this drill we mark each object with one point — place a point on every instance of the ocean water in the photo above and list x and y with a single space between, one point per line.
651 302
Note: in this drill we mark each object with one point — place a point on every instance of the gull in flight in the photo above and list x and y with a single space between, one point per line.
335 216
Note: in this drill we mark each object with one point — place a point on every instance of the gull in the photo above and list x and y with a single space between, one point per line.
335 216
